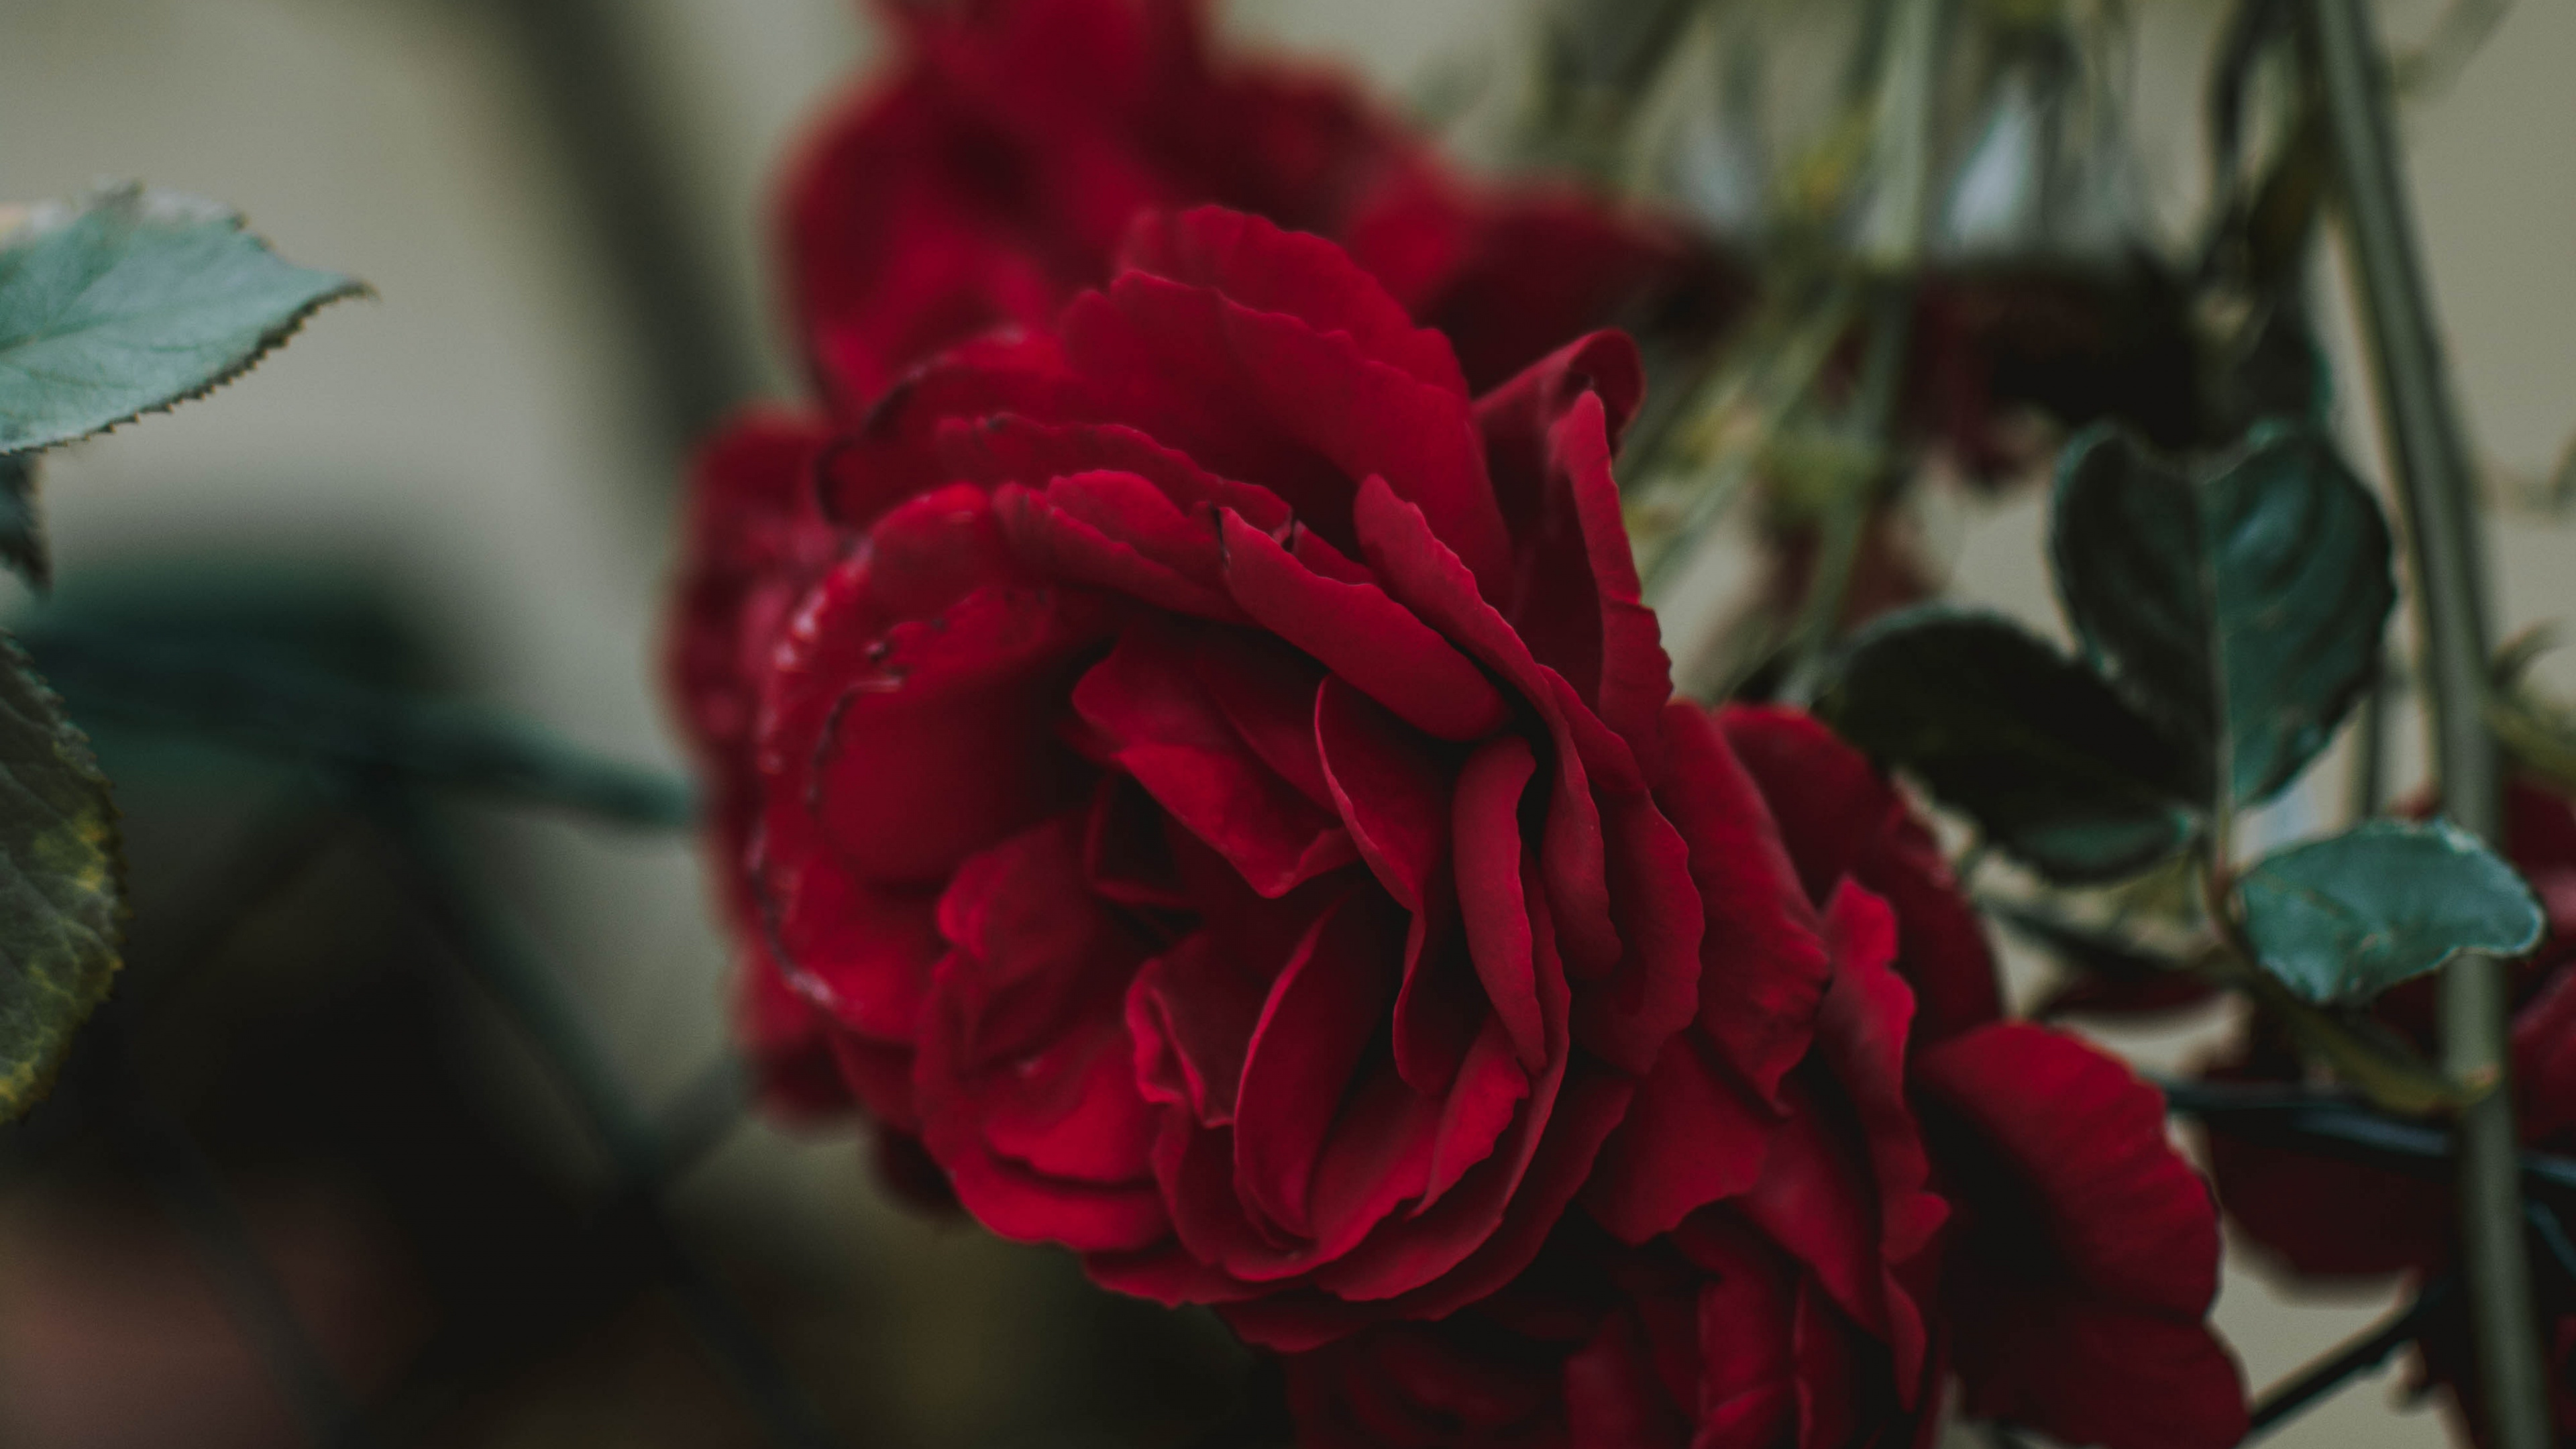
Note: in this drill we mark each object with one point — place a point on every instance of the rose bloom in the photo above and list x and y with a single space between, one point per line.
2327 1219
1931 1192
986 180
1216 782
994 173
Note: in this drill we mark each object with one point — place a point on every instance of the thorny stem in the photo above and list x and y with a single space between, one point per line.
2433 477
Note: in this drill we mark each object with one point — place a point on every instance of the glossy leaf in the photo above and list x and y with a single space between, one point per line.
2245 609
61 884
2340 920
132 301
2033 746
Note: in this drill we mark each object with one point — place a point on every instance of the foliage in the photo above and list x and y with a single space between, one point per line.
2342 919
122 304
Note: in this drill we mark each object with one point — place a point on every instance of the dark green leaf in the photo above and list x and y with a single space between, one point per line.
2030 744
133 301
2245 610
61 883
22 535
2342 919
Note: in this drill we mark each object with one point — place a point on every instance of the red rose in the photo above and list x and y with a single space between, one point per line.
996 172
987 181
1220 793
2327 1218
1930 1187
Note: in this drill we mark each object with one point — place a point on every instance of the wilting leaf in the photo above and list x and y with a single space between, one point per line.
61 883
132 301
2245 610
2342 919
2032 745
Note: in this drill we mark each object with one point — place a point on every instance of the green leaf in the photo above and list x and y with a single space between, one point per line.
2244 609
2342 919
62 887
22 535
2033 746
132 301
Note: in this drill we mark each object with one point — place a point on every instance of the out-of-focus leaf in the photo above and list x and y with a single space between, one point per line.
2268 366
2033 746
2245 609
2340 920
132 301
22 535
62 887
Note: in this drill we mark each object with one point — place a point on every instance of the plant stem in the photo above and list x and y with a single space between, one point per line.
2434 481
2366 1354
1889 246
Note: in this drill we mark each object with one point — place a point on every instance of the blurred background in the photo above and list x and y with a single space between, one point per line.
432 1080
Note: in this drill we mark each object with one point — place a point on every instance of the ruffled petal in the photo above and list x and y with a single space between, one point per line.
1159 727
1254 262
1840 817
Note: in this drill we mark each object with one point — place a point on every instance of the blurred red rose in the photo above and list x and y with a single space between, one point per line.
1930 1189
2328 1218
1219 789
994 173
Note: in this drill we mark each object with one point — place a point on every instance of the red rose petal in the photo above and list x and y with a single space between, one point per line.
860 954
1074 1112
1363 636
1267 398
1763 962
2086 1371
1839 816
1323 1010
2084 1139
1115 531
1694 1135
1192 1012
1479 1105
1145 700
1492 908
1441 1006
1267 692
1390 785
1254 262
963 700
997 448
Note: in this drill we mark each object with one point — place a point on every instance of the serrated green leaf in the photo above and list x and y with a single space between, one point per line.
22 534
62 887
2033 746
2340 920
132 301
2244 608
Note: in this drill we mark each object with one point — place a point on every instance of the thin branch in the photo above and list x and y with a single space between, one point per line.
250 1290
2345 1127
497 950
2366 1354
268 708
